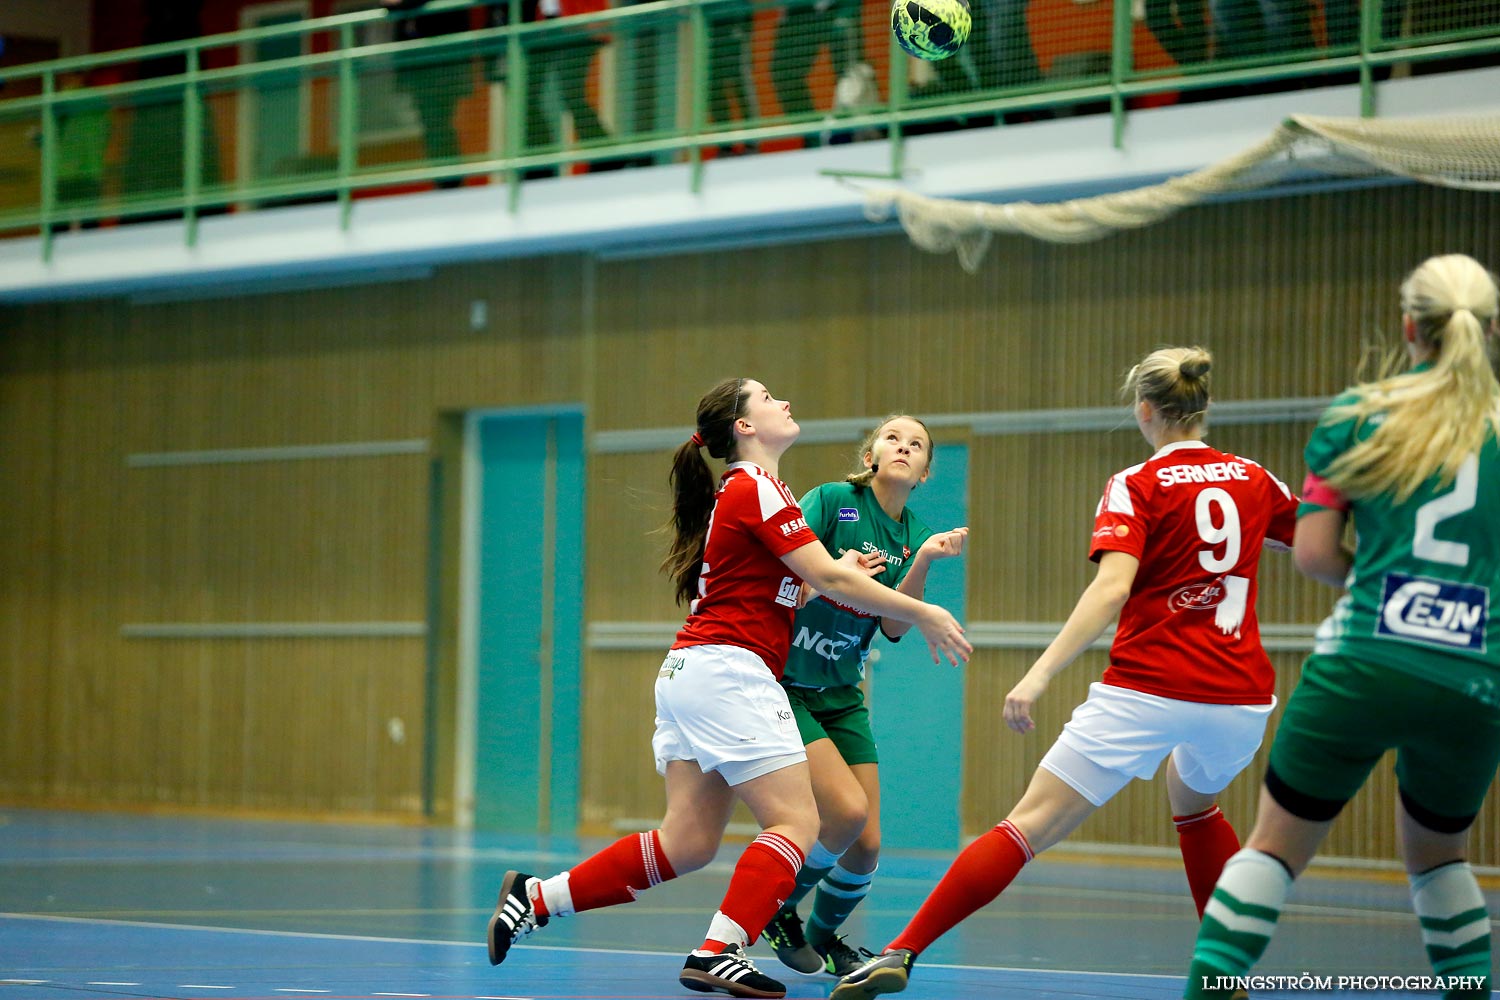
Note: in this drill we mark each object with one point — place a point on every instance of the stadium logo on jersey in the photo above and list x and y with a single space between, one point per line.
1196 597
1434 612
789 593
848 514
794 525
821 645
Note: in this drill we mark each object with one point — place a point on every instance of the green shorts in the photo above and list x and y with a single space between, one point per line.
838 714
1343 717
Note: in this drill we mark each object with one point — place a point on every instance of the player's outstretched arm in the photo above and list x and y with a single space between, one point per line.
1097 606
851 585
870 563
943 545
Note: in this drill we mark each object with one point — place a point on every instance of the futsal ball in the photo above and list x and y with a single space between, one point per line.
930 29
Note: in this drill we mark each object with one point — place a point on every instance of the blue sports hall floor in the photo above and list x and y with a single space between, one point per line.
102 905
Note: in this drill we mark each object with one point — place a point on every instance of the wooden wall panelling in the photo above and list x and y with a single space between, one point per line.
1283 290
28 554
619 779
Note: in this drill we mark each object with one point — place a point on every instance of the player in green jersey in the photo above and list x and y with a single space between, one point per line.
1410 658
863 519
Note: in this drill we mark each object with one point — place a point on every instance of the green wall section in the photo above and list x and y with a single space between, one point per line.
916 705
527 731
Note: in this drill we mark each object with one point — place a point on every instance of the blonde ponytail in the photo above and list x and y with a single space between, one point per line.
1429 421
1174 380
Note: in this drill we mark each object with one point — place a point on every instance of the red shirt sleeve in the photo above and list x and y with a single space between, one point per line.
772 514
1120 522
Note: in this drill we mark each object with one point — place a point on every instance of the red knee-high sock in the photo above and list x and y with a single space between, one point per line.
762 880
1207 841
979 874
620 872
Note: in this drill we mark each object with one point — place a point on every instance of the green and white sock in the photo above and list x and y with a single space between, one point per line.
838 894
819 862
1455 926
1238 922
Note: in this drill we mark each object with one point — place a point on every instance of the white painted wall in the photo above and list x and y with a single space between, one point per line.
65 20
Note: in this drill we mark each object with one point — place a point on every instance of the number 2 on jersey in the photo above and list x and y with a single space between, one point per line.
1221 529
1465 494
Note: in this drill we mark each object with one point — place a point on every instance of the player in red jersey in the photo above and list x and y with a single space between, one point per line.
724 727
1178 541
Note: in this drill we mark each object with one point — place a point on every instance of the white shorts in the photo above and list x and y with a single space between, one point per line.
721 707
1118 734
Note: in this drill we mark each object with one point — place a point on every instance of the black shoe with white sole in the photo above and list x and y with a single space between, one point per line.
839 959
883 974
730 972
784 933
514 917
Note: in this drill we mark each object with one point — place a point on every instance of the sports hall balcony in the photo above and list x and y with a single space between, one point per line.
309 147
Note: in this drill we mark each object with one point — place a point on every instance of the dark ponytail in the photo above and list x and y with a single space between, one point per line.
693 484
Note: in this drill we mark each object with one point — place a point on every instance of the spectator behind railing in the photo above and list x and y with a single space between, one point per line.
1181 27
82 139
561 60
154 157
1000 47
731 83
435 82
806 28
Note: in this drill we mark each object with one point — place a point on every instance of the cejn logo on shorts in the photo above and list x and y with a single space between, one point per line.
1434 612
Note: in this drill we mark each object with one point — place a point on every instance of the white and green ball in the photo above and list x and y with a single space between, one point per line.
931 29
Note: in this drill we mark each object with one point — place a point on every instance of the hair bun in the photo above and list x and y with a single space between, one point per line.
1195 368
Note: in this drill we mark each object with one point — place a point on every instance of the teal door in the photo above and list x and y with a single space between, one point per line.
528 620
916 706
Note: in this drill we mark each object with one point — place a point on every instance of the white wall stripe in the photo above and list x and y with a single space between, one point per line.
273 630
1295 409
281 453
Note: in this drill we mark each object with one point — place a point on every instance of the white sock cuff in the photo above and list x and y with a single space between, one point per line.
1442 874
557 893
721 928
821 857
1256 877
841 874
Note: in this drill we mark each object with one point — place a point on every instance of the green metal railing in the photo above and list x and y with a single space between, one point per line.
335 108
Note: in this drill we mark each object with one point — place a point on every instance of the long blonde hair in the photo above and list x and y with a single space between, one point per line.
862 476
1174 380
1429 421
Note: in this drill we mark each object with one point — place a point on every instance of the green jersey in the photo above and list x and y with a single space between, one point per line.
830 640
1424 571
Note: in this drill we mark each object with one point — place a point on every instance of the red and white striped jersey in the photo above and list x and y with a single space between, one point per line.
746 594
1197 519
